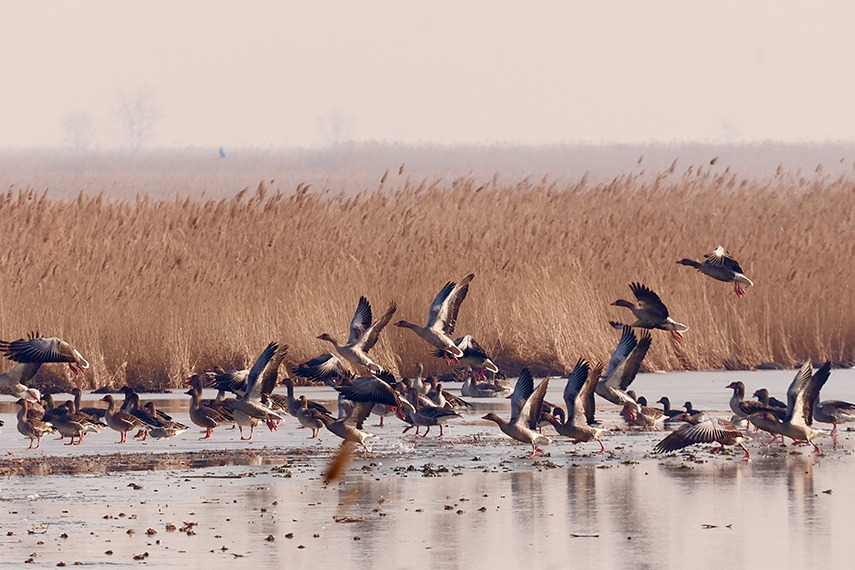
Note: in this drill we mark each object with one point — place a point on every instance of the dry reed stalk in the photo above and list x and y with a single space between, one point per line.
159 288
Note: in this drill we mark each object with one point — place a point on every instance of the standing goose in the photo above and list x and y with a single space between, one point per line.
97 413
30 427
168 428
207 417
650 312
762 395
580 383
442 319
428 415
721 266
473 355
31 353
622 369
362 337
670 414
703 429
293 404
743 408
525 412
802 395
349 427
473 389
119 420
833 412
308 420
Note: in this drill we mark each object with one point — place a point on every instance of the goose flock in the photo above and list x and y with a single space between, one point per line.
246 398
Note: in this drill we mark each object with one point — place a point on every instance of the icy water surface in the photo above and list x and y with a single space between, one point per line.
471 500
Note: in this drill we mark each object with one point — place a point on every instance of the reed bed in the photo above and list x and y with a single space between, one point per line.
151 290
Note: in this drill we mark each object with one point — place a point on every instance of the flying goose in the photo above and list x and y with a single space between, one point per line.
364 333
473 355
802 395
721 266
580 382
31 353
703 429
650 312
442 319
525 412
622 369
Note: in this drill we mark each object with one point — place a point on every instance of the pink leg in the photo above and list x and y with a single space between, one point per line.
427 429
440 431
678 338
602 447
745 449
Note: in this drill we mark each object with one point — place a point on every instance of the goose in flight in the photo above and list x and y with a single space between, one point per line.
720 265
622 369
580 383
30 353
650 312
364 333
703 429
442 319
473 355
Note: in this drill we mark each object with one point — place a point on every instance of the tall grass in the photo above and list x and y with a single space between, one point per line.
150 290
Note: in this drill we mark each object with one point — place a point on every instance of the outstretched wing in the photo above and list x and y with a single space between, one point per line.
253 385
797 396
572 390
444 309
719 257
369 338
811 391
326 368
649 301
361 321
522 391
530 413
627 342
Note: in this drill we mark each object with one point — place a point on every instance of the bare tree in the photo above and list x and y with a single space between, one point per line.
336 126
78 130
138 114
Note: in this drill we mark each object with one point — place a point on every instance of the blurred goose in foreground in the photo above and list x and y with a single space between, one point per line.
703 429
442 319
31 353
650 312
580 383
802 395
721 266
349 427
525 412
119 420
362 337
473 355
622 369
30 427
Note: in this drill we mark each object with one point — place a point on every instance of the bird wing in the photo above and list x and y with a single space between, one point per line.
470 347
358 414
522 391
371 390
253 385
627 342
626 370
572 390
812 389
270 375
231 381
719 257
36 349
361 321
325 368
796 396
585 398
443 311
649 301
705 431
370 336
530 413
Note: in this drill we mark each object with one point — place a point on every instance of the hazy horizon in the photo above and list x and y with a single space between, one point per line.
270 74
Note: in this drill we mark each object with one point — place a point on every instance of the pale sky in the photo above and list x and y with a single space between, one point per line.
267 73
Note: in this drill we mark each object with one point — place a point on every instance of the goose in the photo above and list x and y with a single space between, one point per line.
235 381
580 382
743 408
622 369
525 412
293 405
473 355
417 381
208 417
833 412
650 312
801 398
168 428
150 421
30 427
327 368
428 415
260 383
308 420
703 429
473 389
442 319
720 265
452 402
690 409
639 414
762 395
30 353
348 427
119 420
97 413
376 389
362 337
91 424
67 425
670 414
220 404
